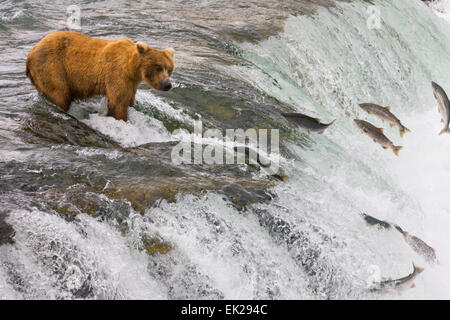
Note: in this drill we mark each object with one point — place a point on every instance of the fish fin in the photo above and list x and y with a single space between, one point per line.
320 132
332 122
403 130
413 285
309 131
365 130
397 149
445 130
317 119
418 269
405 235
384 147
381 129
388 107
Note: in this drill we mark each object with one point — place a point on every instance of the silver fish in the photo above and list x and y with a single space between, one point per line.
443 106
306 122
372 221
419 246
399 284
376 134
385 115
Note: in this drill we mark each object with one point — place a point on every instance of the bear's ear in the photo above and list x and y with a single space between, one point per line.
141 47
170 52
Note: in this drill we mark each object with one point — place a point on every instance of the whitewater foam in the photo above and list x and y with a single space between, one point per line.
139 129
326 72
441 8
85 258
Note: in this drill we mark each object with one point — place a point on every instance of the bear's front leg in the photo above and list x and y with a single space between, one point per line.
119 111
118 106
119 96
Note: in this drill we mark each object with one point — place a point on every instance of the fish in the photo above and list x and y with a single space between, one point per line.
377 135
419 246
306 122
384 114
280 177
443 106
399 284
375 222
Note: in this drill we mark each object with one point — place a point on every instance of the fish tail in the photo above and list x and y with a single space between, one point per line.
326 126
403 129
397 149
417 269
445 130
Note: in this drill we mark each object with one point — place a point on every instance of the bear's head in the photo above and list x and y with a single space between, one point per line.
156 66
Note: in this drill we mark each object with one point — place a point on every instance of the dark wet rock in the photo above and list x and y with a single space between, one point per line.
170 123
138 178
83 199
6 231
219 109
242 197
28 187
46 123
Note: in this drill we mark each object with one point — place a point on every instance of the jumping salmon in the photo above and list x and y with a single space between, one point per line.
306 122
377 135
384 114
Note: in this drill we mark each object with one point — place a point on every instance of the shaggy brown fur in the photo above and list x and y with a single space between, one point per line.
68 65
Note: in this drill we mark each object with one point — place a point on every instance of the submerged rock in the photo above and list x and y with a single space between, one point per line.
6 231
48 124
242 197
155 245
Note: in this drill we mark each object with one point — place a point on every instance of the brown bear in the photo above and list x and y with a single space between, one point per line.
66 66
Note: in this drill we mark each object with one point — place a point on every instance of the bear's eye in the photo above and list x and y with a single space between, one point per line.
158 69
149 73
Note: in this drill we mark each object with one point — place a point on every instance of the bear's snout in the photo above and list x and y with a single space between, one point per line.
166 86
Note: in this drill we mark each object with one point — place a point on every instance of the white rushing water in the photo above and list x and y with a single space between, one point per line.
328 68
310 241
441 8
